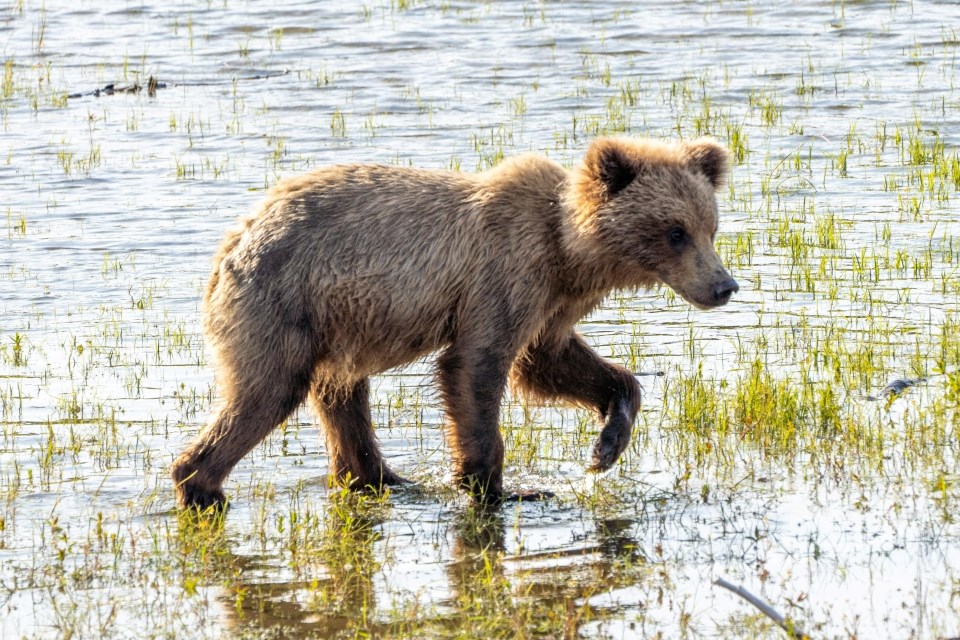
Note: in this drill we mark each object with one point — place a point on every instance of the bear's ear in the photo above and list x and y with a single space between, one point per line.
610 164
709 158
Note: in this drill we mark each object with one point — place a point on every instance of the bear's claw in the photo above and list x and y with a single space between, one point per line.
604 455
393 479
193 489
613 439
195 498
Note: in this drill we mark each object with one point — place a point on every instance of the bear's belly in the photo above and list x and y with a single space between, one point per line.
369 335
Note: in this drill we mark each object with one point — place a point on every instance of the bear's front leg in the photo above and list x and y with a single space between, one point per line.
569 369
615 435
472 382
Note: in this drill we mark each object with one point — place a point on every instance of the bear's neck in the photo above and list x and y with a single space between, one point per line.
590 269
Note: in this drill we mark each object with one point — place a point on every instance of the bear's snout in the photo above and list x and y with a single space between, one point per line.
724 289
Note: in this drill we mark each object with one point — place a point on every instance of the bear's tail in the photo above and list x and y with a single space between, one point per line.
229 243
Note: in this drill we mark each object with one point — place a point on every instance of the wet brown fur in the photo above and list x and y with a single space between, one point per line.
351 270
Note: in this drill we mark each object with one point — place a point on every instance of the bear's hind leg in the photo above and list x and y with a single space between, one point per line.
352 445
253 405
573 371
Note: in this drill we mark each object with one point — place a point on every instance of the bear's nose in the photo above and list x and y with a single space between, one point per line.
723 290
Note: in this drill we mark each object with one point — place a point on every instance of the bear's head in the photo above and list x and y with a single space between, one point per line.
645 212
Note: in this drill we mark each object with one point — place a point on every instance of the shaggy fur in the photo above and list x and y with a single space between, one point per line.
350 270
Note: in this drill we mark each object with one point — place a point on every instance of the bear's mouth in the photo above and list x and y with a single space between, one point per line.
703 306
714 296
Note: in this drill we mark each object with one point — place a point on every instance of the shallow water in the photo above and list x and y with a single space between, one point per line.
113 204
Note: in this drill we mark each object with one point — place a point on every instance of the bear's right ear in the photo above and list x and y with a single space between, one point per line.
611 165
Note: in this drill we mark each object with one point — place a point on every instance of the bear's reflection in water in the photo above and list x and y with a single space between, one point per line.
477 577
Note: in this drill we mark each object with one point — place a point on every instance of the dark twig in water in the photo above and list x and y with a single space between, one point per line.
766 609
153 84
113 88
897 387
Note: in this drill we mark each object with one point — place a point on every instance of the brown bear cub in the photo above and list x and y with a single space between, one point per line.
351 270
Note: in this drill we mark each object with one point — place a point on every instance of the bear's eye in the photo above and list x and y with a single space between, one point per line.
677 237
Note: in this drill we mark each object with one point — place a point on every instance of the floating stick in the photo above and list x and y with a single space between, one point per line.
766 609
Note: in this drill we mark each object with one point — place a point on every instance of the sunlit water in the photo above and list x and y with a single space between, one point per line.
111 206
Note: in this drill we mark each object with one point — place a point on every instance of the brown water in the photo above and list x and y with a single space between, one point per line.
112 204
